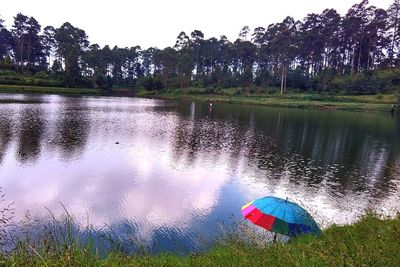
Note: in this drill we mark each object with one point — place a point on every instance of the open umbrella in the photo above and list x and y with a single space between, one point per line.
280 216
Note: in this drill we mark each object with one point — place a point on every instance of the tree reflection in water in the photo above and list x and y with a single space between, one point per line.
72 128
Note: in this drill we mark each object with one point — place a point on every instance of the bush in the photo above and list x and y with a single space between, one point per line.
367 82
150 83
42 75
8 73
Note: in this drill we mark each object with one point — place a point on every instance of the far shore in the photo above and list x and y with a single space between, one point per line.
365 103
26 89
307 100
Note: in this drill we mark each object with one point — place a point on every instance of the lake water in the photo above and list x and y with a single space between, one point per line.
174 175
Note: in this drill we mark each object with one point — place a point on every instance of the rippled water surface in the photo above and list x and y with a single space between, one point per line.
173 174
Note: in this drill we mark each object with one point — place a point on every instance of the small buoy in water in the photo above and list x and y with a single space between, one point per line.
116 143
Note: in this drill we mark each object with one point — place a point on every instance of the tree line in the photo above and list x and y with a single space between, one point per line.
322 52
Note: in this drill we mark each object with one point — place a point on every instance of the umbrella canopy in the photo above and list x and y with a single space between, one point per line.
280 216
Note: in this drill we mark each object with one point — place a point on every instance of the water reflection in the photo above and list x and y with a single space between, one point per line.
318 158
72 128
31 129
306 143
5 133
167 173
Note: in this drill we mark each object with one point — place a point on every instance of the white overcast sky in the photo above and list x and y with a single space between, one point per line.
157 23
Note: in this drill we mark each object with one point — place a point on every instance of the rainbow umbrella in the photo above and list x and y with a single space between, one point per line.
280 216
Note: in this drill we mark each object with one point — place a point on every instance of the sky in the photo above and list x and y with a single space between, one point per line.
157 23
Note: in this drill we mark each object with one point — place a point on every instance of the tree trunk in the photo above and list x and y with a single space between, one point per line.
197 63
282 79
359 58
369 52
211 64
94 78
29 52
391 52
352 62
21 58
284 85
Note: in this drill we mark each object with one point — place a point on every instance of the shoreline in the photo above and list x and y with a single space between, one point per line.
22 89
360 103
292 100
372 241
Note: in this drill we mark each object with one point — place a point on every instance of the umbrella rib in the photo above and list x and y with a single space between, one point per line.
276 206
294 212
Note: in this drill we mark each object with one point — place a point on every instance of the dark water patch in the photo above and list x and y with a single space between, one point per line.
19 101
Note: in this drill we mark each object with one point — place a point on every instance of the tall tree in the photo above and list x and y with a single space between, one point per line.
394 24
71 44
184 66
375 41
133 64
28 48
119 60
182 41
246 56
354 26
166 61
48 42
311 45
330 34
244 33
6 41
95 61
281 40
35 54
19 32
197 41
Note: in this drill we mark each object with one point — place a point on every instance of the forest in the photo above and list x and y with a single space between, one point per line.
358 53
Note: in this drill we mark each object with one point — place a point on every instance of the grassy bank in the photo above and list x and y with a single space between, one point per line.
293 100
22 89
234 95
369 242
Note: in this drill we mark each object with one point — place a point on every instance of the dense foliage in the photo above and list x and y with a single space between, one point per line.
358 52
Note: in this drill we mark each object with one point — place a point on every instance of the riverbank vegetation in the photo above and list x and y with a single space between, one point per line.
253 96
259 96
21 89
356 53
370 242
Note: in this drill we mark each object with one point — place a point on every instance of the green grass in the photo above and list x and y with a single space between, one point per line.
39 79
23 89
235 95
49 90
370 242
291 99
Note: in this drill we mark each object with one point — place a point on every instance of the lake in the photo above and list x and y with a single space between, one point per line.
173 175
